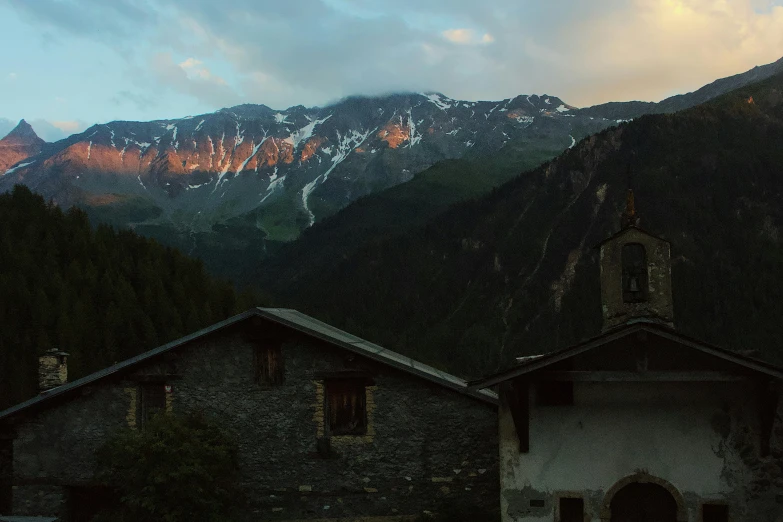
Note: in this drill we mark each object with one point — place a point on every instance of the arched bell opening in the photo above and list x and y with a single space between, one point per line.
634 260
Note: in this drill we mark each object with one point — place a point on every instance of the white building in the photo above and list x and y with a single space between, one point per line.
640 423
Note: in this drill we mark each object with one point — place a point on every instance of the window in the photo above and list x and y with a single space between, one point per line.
6 475
153 400
555 393
346 406
572 510
269 366
84 503
714 513
634 273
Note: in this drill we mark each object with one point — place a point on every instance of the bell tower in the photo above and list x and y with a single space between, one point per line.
636 280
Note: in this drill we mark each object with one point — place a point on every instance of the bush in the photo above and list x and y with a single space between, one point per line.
177 469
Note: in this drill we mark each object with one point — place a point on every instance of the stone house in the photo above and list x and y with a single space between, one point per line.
329 426
640 423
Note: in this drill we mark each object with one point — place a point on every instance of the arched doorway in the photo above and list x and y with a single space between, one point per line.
643 502
643 497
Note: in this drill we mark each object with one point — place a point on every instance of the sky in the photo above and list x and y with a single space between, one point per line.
70 63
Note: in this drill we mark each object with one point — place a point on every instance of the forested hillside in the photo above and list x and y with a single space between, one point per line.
515 272
99 294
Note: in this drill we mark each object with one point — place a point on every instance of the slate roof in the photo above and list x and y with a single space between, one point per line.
629 227
535 363
9 518
286 317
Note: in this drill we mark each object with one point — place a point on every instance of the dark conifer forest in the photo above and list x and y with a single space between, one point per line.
99 294
515 272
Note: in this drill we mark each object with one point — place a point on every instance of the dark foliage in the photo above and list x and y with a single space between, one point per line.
177 469
515 272
98 294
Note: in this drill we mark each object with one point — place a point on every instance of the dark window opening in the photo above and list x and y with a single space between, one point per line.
153 401
537 502
572 510
634 273
714 513
555 393
6 499
346 406
84 503
269 366
6 476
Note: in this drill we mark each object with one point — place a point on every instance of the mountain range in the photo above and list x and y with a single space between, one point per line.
285 168
515 272
238 183
482 251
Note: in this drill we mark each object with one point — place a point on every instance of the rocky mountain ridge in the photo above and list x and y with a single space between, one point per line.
21 143
230 186
290 167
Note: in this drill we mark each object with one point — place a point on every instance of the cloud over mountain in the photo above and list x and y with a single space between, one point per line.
315 51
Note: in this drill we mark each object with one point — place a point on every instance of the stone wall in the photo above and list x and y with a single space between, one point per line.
426 447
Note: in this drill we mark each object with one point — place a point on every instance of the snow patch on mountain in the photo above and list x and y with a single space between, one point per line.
562 108
437 101
275 184
573 141
239 137
255 150
281 118
345 145
198 127
412 136
21 165
304 133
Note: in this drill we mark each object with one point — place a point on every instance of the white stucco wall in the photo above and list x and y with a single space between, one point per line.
613 430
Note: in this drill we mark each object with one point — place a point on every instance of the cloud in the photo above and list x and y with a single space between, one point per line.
313 51
459 36
466 37
192 78
57 130
12 76
110 22
6 126
141 101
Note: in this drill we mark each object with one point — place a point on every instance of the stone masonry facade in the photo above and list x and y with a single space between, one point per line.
426 447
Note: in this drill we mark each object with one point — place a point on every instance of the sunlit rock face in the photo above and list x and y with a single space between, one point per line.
281 170
22 142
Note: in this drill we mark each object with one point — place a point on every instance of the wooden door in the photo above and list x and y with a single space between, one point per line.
645 502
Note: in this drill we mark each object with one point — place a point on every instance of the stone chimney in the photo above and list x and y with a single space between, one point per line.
52 369
635 274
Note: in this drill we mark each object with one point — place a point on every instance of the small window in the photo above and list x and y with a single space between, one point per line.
6 476
714 513
269 365
84 503
572 510
346 407
555 393
153 401
634 273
